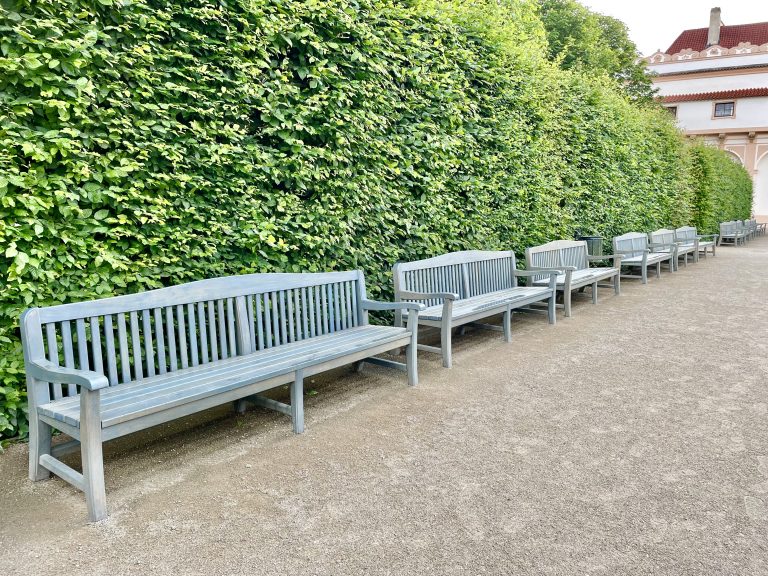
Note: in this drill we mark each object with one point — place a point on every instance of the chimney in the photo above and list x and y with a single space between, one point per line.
714 27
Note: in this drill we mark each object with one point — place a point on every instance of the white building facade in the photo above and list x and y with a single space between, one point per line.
715 81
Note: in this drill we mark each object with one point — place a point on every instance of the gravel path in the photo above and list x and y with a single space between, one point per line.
629 439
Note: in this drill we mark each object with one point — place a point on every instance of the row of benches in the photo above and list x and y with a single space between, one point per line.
103 369
739 231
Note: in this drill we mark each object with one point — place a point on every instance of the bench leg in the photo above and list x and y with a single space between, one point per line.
411 356
39 444
297 402
567 303
658 269
507 322
445 333
594 293
552 308
91 453
445 346
240 406
617 283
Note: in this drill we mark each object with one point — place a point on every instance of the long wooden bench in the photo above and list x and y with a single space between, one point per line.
689 236
463 287
102 369
733 232
573 261
665 239
637 252
757 227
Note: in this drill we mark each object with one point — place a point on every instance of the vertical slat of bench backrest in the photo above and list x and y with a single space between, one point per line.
53 356
294 314
631 243
153 335
574 256
449 278
557 254
491 273
663 236
685 234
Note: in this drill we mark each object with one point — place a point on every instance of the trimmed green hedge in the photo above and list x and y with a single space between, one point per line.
150 143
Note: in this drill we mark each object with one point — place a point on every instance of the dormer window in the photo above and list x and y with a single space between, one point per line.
724 109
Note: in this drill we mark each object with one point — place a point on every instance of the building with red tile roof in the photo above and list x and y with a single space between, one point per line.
730 37
715 81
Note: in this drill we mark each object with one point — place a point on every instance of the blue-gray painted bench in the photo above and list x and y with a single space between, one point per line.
573 261
461 288
689 236
733 232
102 369
637 252
757 228
663 240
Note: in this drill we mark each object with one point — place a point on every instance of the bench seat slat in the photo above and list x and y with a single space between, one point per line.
653 258
130 401
498 299
578 277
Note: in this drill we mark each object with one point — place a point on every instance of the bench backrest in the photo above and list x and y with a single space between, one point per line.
128 338
662 236
556 254
686 234
729 228
631 243
468 273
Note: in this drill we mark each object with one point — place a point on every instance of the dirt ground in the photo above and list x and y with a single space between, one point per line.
629 439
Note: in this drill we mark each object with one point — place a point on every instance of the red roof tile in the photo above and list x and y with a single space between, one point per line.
723 95
730 36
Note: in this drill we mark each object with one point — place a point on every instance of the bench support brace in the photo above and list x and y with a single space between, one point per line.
269 404
385 362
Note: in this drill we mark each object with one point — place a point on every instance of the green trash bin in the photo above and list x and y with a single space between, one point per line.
594 244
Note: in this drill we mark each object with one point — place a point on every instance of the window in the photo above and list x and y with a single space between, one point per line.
672 110
724 109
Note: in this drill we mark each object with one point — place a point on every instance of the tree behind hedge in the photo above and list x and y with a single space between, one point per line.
150 143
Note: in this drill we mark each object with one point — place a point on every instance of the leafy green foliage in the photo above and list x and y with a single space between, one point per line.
594 43
150 143
722 189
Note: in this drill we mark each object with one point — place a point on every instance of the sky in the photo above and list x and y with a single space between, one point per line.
654 24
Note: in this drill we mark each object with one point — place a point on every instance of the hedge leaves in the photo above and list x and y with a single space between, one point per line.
149 143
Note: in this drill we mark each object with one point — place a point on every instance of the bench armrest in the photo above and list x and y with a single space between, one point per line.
375 305
553 273
48 372
427 295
